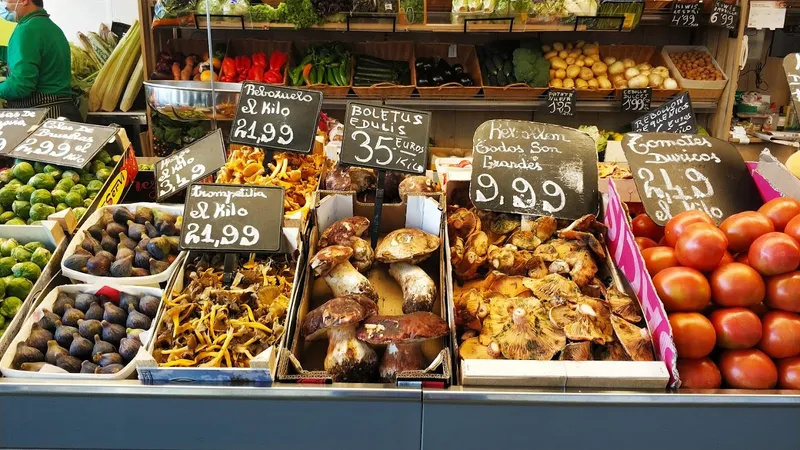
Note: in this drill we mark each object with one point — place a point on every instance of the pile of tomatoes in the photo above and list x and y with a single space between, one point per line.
732 294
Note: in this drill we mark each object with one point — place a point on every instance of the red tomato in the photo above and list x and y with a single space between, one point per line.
760 309
736 284
736 327
793 228
693 334
748 369
744 228
781 334
644 243
701 246
774 254
788 373
783 292
682 289
726 259
780 211
663 241
680 222
699 373
657 259
643 226
742 258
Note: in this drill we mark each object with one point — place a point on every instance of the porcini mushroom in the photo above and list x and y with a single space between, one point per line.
419 290
348 232
404 336
473 349
586 320
522 329
408 245
333 264
416 184
348 359
636 341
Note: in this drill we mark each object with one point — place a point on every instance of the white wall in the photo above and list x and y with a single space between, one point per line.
87 15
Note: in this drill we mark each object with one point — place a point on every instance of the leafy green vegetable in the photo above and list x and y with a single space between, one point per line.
41 257
19 287
600 141
11 305
531 67
301 13
27 270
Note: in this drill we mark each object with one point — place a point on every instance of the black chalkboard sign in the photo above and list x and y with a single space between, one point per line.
561 102
674 116
276 118
190 164
686 14
637 99
680 172
533 168
385 138
791 65
232 218
64 143
16 124
724 15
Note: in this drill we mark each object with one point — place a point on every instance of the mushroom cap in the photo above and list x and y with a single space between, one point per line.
338 179
468 308
328 258
636 341
587 320
415 327
553 287
613 351
577 351
467 258
416 184
624 306
473 349
363 255
462 223
522 329
504 223
340 311
343 231
587 239
509 286
406 245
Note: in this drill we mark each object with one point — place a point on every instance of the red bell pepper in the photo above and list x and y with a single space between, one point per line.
256 73
243 64
228 70
272 77
276 61
260 59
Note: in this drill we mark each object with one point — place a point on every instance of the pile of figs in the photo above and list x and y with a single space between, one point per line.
87 333
126 244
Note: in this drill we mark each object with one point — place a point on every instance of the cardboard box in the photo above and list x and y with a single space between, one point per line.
302 362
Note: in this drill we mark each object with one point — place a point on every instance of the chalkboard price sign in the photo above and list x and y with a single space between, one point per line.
385 138
15 126
533 168
276 118
791 65
724 15
686 14
64 143
190 164
561 102
232 218
674 116
681 172
636 99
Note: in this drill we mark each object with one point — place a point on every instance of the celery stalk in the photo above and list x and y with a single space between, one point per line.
134 86
107 73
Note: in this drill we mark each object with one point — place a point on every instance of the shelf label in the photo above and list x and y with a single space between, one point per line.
385 138
675 173
232 218
724 15
192 163
674 116
686 14
276 118
637 99
791 65
15 126
533 168
64 143
561 102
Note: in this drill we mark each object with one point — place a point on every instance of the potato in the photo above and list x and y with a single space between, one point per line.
599 68
593 84
589 61
563 54
570 61
546 48
604 82
558 63
609 60
568 46
638 82
568 83
630 73
573 71
591 49
586 74
621 84
580 63
617 67
580 44
552 74
558 46
556 83
655 80
581 84
617 77
560 74
575 54
550 55
628 63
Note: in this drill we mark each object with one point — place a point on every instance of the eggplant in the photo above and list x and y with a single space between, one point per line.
466 80
444 69
437 79
423 81
458 69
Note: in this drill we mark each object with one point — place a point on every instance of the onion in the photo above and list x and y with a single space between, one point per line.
630 73
609 60
621 84
616 67
638 82
628 63
669 83
617 77
655 80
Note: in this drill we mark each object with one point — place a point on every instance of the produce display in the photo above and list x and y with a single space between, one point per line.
731 294
120 77
696 65
179 67
128 244
20 267
627 73
258 67
396 185
87 333
206 324
437 72
504 66
323 64
91 53
533 293
370 70
577 66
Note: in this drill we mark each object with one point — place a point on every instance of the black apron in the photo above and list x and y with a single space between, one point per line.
57 106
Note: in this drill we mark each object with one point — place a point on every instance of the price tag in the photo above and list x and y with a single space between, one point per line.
64 143
636 99
686 14
561 102
16 124
276 118
232 218
681 172
791 65
190 164
674 116
724 15
385 138
533 168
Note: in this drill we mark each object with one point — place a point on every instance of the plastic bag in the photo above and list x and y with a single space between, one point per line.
223 7
174 12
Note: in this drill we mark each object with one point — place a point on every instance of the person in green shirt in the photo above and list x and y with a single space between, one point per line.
39 63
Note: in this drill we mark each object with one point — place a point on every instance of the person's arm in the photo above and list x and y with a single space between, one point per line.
24 60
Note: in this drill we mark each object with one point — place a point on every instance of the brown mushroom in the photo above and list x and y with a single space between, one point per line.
513 261
462 223
349 232
404 336
470 309
503 224
636 341
554 288
577 351
587 223
522 329
541 230
419 290
624 306
467 258
613 351
408 245
587 239
416 184
343 178
582 265
348 359
473 349
586 320
333 264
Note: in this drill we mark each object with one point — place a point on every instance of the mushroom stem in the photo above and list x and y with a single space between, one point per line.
349 359
400 357
419 290
344 279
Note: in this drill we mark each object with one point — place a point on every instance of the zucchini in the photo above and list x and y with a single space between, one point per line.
508 68
375 62
502 80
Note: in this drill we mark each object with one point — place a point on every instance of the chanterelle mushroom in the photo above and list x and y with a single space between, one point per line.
333 264
636 341
404 336
416 184
522 329
348 232
419 290
586 320
348 359
408 245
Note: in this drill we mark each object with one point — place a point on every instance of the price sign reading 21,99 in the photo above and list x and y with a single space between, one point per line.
233 218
